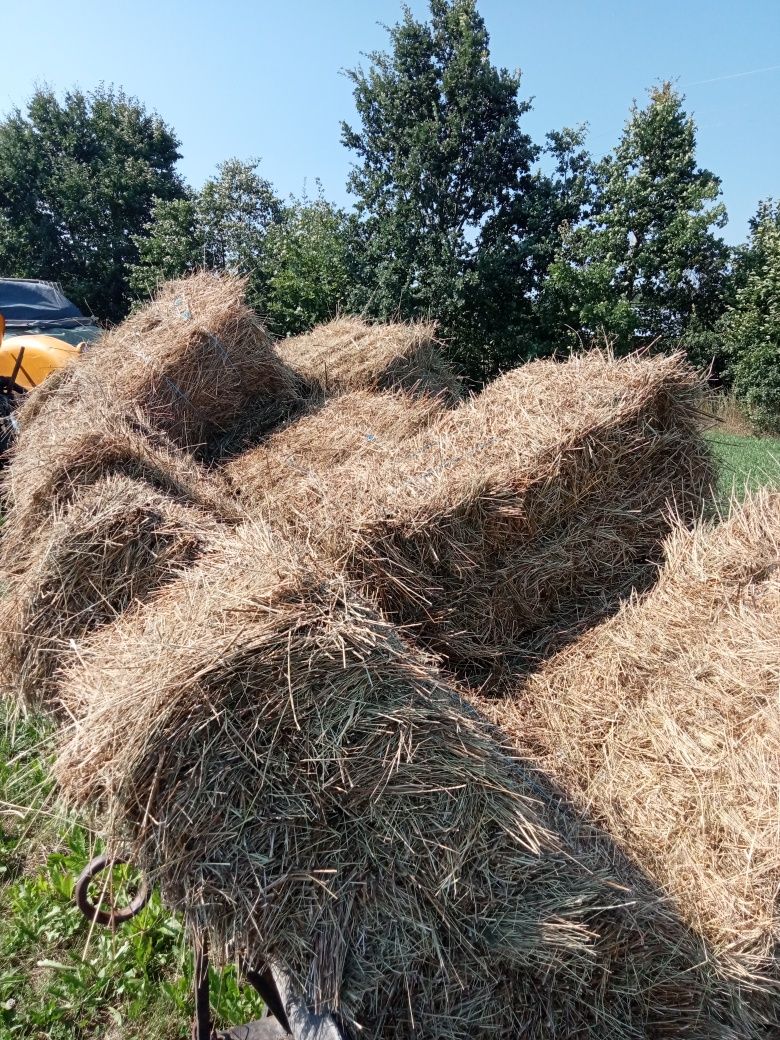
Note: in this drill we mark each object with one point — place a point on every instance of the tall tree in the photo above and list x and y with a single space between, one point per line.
751 327
648 262
562 199
77 180
442 171
235 209
223 227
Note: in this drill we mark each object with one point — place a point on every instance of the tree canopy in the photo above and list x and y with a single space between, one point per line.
751 326
309 265
648 262
78 178
222 227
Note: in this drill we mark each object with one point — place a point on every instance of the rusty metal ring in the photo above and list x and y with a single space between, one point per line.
112 916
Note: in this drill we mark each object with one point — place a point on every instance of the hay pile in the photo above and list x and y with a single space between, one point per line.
194 360
178 373
274 750
352 354
292 465
116 542
301 783
525 513
663 725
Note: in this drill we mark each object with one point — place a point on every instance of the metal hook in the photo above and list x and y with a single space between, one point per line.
94 913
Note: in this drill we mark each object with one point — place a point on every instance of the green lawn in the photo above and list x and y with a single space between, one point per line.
58 981
746 463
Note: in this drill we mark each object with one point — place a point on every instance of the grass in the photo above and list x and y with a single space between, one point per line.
61 981
746 462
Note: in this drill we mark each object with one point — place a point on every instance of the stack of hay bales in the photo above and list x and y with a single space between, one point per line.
100 512
165 386
523 514
663 726
104 489
364 386
54 462
303 785
186 379
270 738
351 354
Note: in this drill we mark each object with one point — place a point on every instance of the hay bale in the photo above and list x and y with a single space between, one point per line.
62 452
303 785
525 513
292 463
352 354
116 542
195 360
663 724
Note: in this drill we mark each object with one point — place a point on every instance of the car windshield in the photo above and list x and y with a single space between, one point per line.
23 301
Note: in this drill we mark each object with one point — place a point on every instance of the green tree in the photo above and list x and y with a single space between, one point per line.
441 178
308 265
563 197
172 245
647 263
223 227
751 327
235 210
78 179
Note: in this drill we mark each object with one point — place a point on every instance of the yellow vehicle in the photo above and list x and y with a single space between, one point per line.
40 331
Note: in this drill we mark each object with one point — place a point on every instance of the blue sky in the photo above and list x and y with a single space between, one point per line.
237 78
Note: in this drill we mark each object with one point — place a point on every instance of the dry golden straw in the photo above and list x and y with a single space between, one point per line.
118 541
663 725
292 463
352 354
195 360
524 513
55 458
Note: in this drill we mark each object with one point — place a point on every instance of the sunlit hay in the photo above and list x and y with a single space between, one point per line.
195 359
293 463
52 460
353 354
663 724
525 513
300 782
118 541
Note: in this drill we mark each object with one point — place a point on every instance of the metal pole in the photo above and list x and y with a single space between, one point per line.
201 1027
